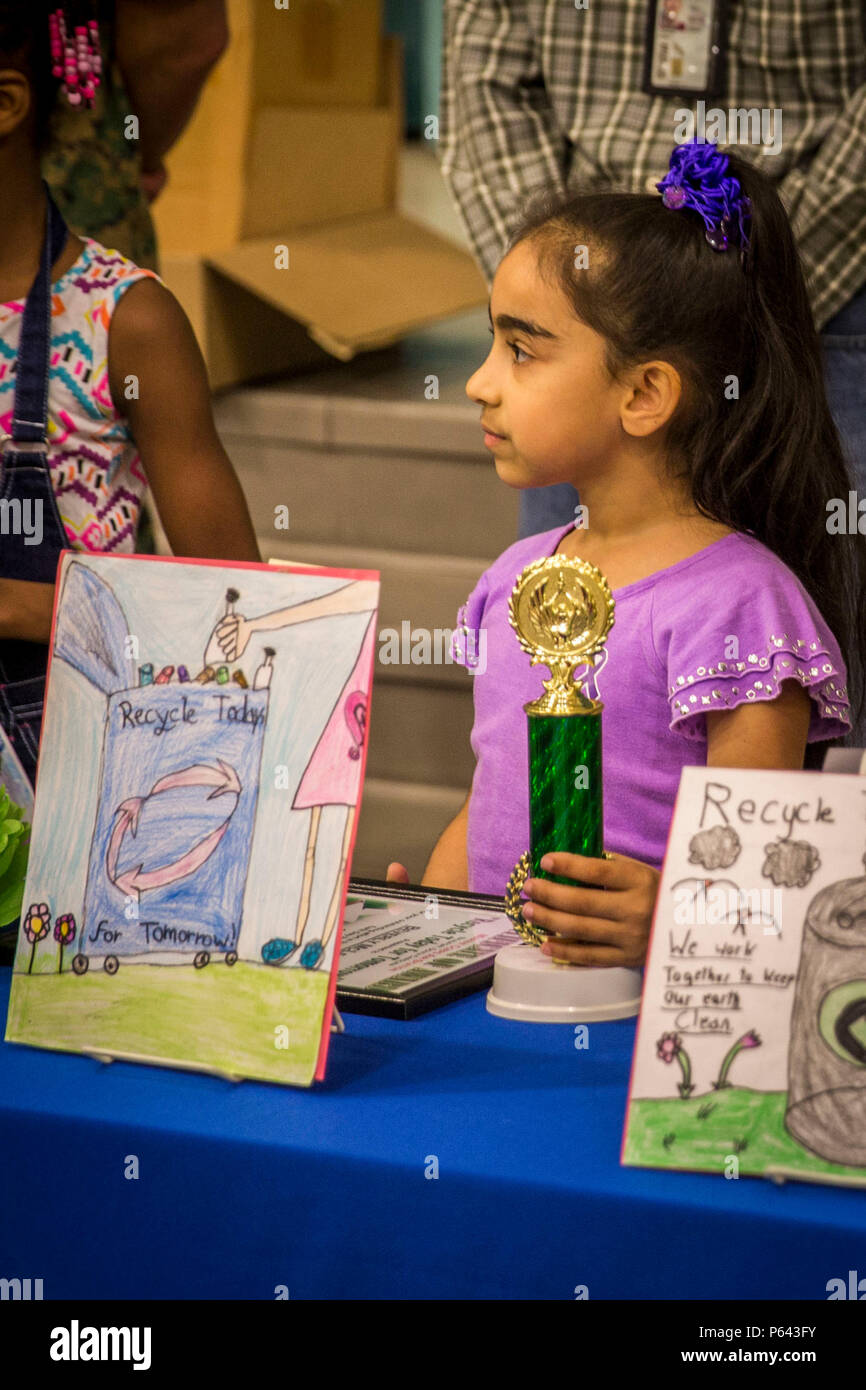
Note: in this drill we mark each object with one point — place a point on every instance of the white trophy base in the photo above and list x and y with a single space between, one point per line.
530 986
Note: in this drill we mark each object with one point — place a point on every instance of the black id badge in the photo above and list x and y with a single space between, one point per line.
685 50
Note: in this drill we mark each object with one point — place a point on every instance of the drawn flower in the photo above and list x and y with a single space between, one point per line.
36 922
750 1039
64 929
36 925
668 1047
64 932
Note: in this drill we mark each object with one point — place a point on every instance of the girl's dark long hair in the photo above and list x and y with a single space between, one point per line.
753 432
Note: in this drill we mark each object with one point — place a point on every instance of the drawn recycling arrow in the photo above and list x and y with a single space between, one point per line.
133 882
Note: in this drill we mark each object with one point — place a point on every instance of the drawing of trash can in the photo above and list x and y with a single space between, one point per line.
826 1110
178 789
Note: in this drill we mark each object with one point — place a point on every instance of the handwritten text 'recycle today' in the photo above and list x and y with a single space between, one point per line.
161 720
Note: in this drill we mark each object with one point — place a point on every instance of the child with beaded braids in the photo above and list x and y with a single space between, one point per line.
659 354
102 386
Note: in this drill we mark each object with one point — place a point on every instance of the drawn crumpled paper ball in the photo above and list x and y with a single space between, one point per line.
717 848
790 863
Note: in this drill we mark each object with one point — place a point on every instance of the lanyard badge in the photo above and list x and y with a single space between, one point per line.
685 49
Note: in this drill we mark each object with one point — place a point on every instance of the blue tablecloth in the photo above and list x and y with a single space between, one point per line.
243 1188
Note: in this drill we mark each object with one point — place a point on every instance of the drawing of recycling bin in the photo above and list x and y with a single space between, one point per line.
177 802
827 1052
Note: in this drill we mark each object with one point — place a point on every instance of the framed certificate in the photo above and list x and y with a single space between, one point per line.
408 948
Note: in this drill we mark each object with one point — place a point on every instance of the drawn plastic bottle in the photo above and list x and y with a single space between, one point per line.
215 656
262 678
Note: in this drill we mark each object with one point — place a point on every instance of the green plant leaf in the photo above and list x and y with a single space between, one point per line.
7 854
9 844
12 885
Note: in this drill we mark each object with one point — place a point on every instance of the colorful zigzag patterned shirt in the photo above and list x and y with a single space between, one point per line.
96 473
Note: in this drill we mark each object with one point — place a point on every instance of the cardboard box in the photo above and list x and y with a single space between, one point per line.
322 184
256 159
242 338
352 286
308 165
317 53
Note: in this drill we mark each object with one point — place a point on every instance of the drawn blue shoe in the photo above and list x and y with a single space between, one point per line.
312 954
274 952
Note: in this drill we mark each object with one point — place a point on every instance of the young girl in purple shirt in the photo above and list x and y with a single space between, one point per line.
660 355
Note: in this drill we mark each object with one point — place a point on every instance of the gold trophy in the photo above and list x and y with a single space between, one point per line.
562 611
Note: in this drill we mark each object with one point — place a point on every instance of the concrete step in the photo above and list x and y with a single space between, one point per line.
420 734
402 821
419 382
419 594
421 718
361 457
385 500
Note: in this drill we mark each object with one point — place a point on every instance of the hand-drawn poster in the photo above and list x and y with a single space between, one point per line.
199 782
751 1047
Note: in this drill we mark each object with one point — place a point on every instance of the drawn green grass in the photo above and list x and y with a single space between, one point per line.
747 1123
221 1017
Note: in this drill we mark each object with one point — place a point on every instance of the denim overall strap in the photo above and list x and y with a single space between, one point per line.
31 531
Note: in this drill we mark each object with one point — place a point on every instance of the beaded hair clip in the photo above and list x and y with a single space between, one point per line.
698 178
77 60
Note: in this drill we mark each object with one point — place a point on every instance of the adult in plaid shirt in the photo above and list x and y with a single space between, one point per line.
540 93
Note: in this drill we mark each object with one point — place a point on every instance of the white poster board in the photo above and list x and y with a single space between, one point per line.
751 1046
200 775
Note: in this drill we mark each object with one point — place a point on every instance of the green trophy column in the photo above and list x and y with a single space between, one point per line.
561 609
565 791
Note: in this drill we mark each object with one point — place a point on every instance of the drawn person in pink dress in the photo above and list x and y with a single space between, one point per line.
333 774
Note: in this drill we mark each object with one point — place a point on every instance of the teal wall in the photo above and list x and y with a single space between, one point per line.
419 22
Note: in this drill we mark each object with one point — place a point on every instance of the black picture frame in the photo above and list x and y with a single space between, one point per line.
428 994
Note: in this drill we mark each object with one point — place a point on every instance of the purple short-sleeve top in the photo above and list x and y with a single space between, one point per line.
722 628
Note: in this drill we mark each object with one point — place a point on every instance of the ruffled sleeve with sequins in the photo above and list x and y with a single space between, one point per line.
467 640
746 632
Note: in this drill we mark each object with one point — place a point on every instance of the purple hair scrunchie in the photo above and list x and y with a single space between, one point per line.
698 178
